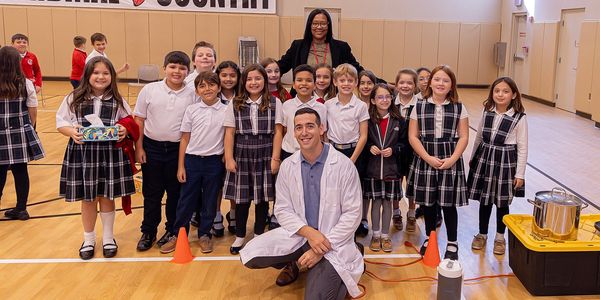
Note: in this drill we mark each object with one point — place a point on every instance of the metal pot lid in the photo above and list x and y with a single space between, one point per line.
558 196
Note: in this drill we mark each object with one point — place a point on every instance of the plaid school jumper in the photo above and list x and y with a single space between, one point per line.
494 164
95 169
253 179
429 185
19 143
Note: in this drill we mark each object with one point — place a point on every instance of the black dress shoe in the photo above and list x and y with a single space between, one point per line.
230 223
17 214
218 232
453 255
273 225
146 242
194 222
423 247
363 228
361 248
164 238
235 250
419 212
86 254
111 251
288 274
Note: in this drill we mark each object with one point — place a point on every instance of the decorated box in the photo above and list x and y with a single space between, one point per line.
99 134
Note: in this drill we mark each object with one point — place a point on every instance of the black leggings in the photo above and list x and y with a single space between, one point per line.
261 211
21 177
450 219
485 211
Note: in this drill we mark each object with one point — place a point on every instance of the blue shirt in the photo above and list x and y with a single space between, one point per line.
311 184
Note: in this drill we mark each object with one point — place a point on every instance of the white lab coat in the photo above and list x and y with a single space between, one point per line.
339 216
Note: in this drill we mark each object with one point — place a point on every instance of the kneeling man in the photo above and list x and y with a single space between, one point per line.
319 202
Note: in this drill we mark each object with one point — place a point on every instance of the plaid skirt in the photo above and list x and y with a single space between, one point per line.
382 189
491 175
253 179
95 169
19 145
431 186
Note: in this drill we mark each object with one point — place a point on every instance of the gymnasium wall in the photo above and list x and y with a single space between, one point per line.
142 37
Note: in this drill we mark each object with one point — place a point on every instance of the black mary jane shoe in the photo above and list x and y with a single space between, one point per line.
424 247
110 252
230 225
218 232
363 228
235 250
86 254
452 255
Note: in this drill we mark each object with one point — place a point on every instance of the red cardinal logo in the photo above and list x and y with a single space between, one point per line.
138 2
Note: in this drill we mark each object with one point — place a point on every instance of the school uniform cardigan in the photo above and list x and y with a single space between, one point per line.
297 54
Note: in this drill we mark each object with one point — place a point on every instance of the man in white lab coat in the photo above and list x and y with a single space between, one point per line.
319 202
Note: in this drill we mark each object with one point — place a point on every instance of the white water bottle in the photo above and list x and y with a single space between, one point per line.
450 279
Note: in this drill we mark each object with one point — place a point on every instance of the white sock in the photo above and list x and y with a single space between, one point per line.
364 222
89 239
397 212
238 242
385 236
411 213
218 217
377 233
218 221
108 220
273 219
452 246
499 236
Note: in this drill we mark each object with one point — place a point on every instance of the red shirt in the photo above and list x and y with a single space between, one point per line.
77 64
383 127
31 68
288 96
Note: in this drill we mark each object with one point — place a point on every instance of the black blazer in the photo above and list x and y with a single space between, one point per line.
297 54
395 138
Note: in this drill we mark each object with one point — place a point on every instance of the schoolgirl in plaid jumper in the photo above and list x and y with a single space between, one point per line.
19 142
439 132
95 173
253 136
499 158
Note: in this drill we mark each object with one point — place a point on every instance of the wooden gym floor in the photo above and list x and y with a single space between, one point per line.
38 258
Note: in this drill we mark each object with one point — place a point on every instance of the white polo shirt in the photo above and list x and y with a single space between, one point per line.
189 80
439 115
343 121
93 54
290 107
230 115
163 110
404 108
205 123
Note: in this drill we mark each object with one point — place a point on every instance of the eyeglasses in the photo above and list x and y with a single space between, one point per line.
317 25
383 97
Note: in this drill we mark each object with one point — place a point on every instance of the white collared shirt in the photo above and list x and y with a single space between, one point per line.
93 54
517 136
67 118
290 144
439 115
404 108
254 105
189 80
205 123
343 121
163 110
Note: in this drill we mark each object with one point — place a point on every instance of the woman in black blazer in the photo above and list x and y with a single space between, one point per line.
318 38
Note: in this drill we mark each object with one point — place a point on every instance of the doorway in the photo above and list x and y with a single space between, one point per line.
566 64
518 49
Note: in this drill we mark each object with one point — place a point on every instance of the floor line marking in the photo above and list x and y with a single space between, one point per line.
160 259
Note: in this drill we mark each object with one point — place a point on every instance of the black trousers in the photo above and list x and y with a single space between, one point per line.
450 219
261 212
160 176
485 211
21 177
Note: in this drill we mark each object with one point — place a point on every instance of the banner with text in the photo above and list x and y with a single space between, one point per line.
222 6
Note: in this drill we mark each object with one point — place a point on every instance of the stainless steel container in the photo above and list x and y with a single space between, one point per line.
556 215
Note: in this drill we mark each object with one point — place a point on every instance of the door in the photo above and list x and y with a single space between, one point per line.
566 64
518 49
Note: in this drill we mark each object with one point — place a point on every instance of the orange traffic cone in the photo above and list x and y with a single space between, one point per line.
432 254
183 254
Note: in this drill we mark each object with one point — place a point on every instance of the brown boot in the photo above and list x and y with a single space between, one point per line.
288 274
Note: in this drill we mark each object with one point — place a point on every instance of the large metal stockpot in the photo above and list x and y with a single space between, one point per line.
556 215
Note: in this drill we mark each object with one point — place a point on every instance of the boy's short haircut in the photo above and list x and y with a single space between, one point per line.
304 68
345 69
78 41
177 57
205 45
208 77
19 36
97 37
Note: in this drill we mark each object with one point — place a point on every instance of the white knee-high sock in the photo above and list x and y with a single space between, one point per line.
89 239
108 220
